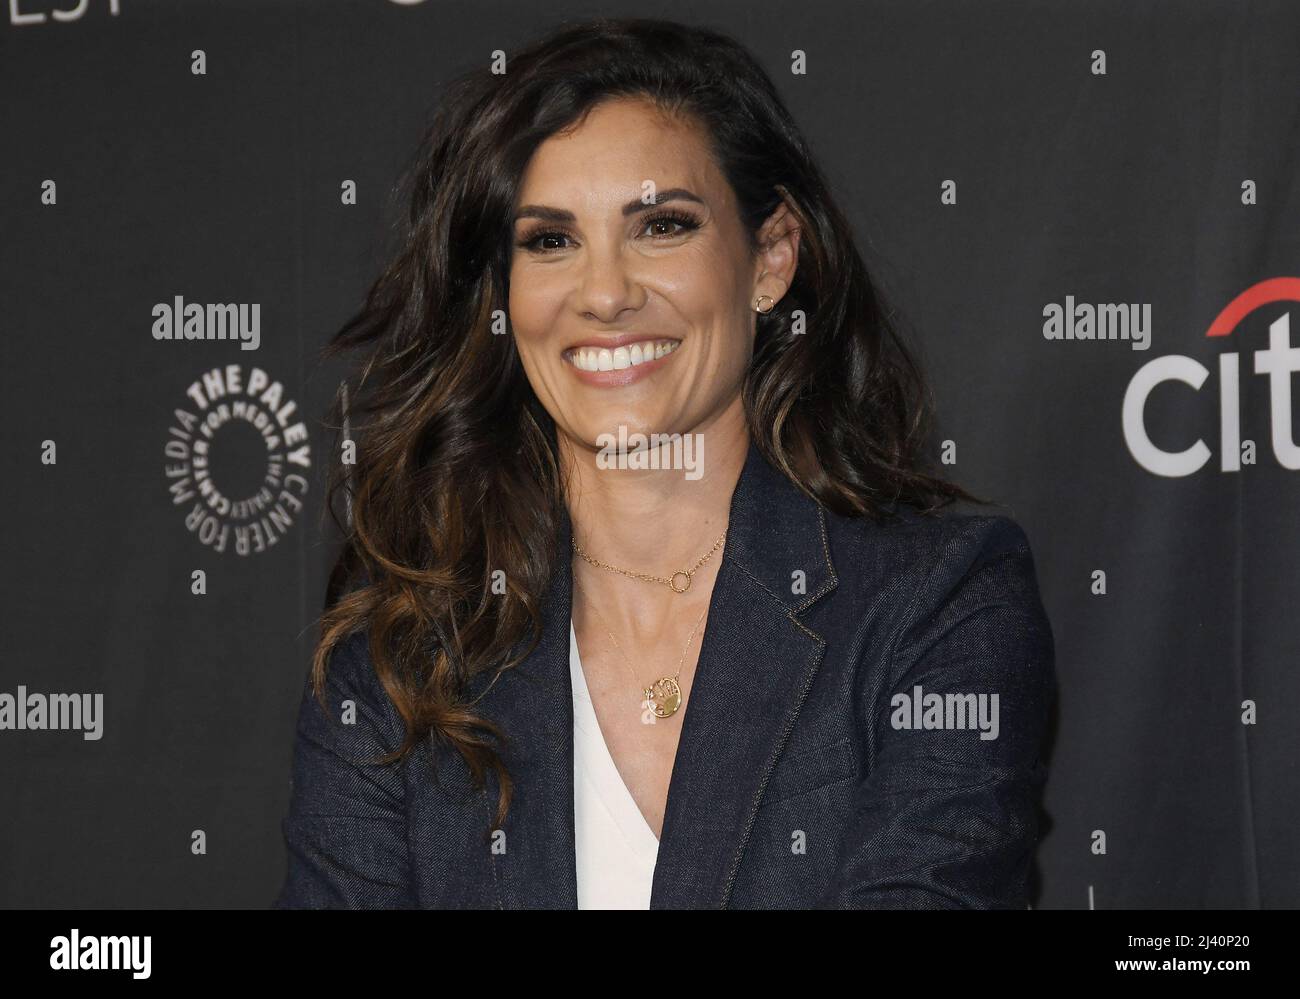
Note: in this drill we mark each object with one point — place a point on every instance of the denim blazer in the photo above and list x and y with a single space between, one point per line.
833 751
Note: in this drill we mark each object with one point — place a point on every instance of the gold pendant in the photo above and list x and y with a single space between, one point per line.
665 697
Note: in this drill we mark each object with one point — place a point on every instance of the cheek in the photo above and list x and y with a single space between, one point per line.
732 338
737 351
527 309
532 317
709 290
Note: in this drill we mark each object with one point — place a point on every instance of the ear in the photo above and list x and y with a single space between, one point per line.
778 252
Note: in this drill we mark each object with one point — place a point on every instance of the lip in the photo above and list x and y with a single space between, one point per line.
618 377
618 340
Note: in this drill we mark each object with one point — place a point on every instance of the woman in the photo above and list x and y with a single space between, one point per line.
645 600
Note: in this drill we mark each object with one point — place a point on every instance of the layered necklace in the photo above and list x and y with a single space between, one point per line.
664 695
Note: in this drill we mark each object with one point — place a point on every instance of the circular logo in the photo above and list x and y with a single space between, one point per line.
237 460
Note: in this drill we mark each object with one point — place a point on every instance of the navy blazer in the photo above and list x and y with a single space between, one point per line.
802 779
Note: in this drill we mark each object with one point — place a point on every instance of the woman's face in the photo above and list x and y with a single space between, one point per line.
629 313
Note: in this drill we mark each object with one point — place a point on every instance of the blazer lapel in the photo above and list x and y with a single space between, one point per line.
757 662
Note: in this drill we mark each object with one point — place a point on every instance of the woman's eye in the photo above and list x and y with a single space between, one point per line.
665 226
682 222
535 242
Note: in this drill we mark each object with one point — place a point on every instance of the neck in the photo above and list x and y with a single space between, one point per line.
653 520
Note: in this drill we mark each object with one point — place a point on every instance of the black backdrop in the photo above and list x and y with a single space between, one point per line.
1169 180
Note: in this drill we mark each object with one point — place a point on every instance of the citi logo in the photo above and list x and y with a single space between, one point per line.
1278 361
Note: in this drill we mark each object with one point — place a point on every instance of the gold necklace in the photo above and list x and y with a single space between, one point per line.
669 581
664 696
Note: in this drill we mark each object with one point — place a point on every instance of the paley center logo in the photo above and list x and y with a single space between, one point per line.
237 459
1278 361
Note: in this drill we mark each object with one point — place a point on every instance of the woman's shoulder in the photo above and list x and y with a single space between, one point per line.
952 601
943 541
352 690
923 562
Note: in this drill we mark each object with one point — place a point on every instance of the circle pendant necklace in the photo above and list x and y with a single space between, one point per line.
679 582
664 696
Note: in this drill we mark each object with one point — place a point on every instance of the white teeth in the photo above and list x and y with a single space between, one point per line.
629 356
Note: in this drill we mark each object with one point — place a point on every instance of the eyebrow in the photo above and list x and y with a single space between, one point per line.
549 214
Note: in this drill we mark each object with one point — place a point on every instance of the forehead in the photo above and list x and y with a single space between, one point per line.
614 150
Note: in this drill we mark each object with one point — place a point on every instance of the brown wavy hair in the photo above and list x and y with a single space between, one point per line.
457 470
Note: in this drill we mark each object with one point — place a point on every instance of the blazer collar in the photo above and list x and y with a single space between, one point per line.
757 662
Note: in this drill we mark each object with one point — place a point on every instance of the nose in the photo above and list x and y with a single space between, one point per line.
606 287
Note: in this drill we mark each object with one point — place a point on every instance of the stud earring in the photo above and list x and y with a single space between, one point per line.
771 304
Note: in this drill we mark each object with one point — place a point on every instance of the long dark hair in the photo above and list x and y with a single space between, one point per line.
457 470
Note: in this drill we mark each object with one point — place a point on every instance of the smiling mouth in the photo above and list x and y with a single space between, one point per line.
627 356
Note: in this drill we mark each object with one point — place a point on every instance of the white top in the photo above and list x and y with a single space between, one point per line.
616 848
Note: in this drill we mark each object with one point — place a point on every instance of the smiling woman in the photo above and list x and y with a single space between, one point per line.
549 679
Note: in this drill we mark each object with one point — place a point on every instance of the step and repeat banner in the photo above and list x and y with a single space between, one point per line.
1088 215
